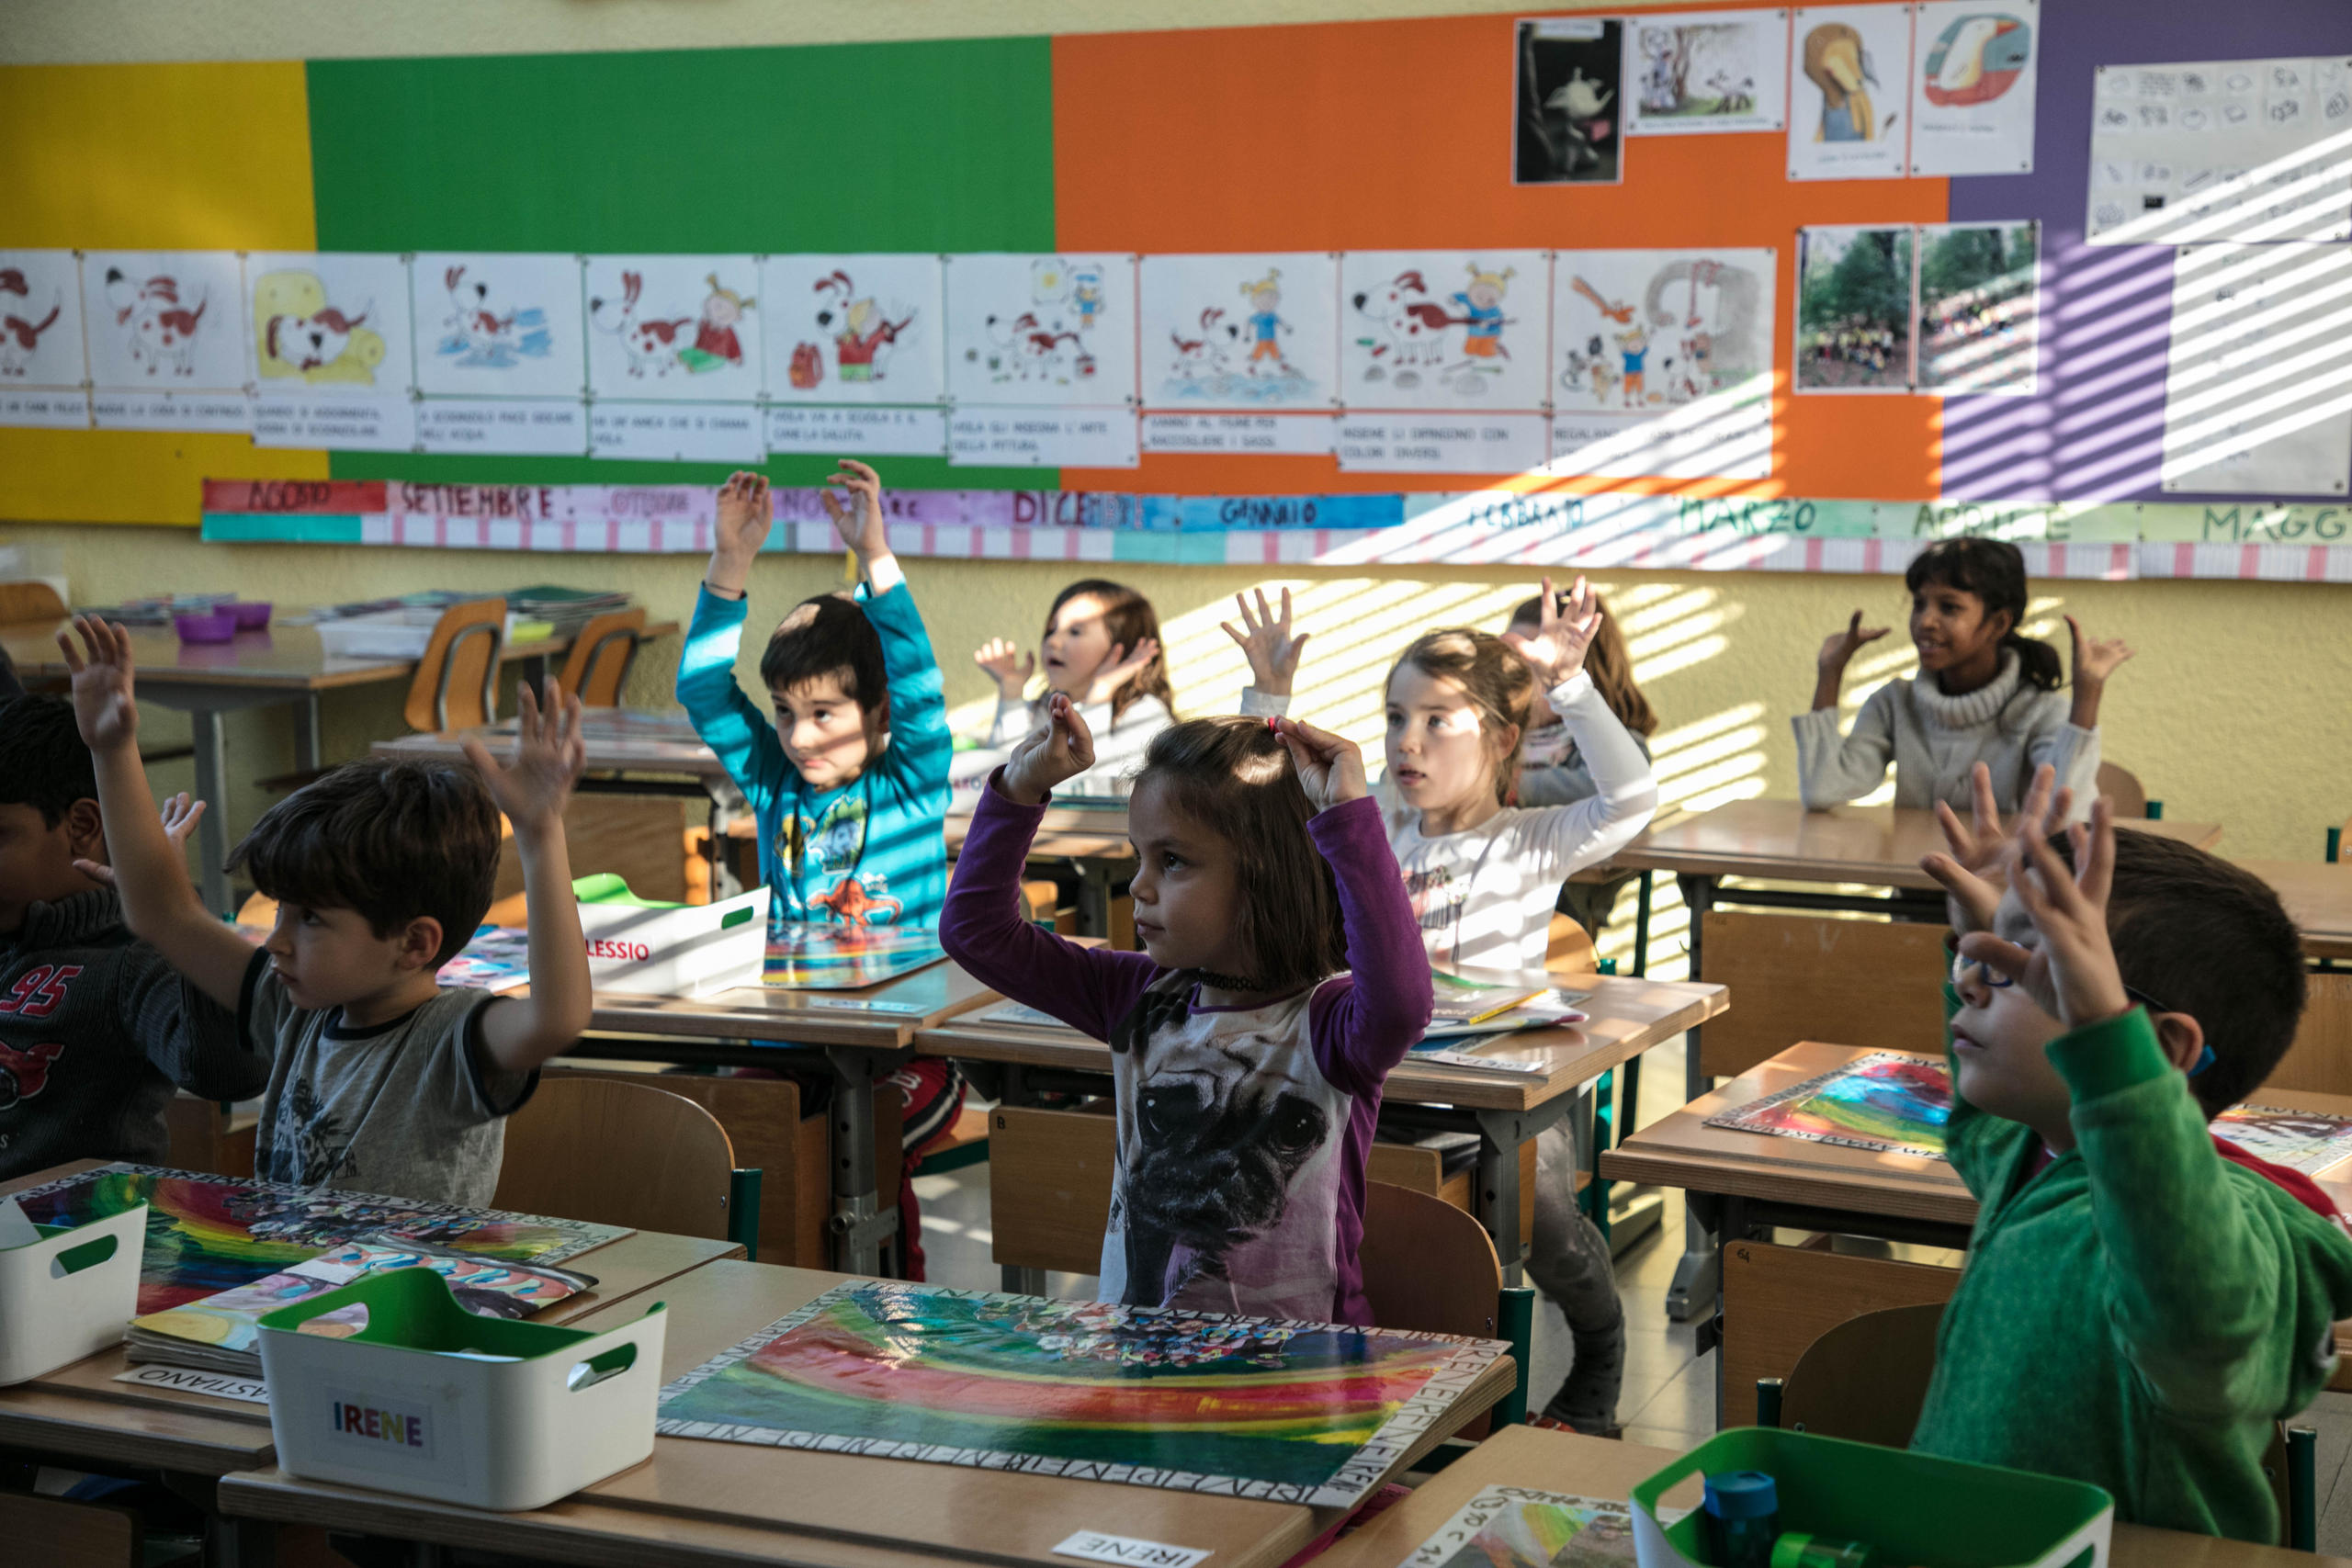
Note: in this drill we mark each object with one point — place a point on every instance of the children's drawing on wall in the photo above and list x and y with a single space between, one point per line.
484 330
1973 87
1849 116
165 329
674 328
331 320
1569 101
2244 150
40 325
1977 307
498 325
853 329
1239 332
1443 329
1708 70
1057 330
1854 309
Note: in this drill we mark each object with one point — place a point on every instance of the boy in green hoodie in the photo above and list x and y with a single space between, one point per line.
2141 1301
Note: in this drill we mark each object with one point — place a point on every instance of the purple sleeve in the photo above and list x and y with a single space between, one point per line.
1363 1029
981 926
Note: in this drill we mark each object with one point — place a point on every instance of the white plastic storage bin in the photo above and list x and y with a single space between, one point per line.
431 1401
671 950
69 1294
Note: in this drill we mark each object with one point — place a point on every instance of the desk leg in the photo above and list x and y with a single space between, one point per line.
1094 899
1698 1277
1020 1282
305 733
725 799
212 832
534 672
862 1224
240 1543
1642 928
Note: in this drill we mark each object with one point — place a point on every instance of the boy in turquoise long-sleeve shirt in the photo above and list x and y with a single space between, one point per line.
2143 1301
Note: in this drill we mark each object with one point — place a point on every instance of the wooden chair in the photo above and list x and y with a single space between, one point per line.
627 1154
601 655
1567 947
455 685
29 601
2121 788
1428 1266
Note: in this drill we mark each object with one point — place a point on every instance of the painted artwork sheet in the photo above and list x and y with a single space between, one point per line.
1257 333
164 332
1854 308
2258 370
2242 150
674 329
854 329
505 333
1885 1101
207 1234
2308 1141
1567 100
1849 118
43 374
1053 331
1707 71
1462 330
1976 62
841 956
333 356
1979 308
1662 363
1251 1407
1521 1527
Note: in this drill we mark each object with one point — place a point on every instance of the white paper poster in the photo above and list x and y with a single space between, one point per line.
1240 331
2233 150
854 329
857 432
333 356
165 333
1444 330
1728 435
1437 442
1046 331
674 329
1972 86
1042 437
2258 375
677 432
1242 435
1849 117
43 375
505 326
1706 70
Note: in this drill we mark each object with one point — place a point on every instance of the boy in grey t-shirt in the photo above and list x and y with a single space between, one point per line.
380 1081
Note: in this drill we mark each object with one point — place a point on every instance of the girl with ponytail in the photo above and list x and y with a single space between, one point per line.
1984 693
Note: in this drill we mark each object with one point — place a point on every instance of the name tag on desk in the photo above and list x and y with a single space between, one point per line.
865 1004
1096 1547
1484 1063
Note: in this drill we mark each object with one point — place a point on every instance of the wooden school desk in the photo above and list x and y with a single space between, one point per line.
1595 1467
700 1502
1505 1110
79 1413
1090 832
280 665
1775 1300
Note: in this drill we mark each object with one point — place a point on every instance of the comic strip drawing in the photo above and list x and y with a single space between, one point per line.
1443 329
861 334
651 341
22 325
1647 329
851 328
1044 329
1242 332
675 327
158 326
299 332
1412 330
484 330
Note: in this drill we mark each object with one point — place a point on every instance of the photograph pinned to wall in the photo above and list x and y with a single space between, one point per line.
2258 373
1240 331
1854 308
165 335
1041 331
2239 150
501 354
1979 308
1463 330
1849 116
1884 1101
1976 62
333 356
856 353
1707 71
44 377
1569 101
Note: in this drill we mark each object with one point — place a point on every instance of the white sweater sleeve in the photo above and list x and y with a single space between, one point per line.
1565 839
1256 704
2070 750
1831 769
1014 720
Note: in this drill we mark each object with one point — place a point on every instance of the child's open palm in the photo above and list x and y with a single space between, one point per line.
181 813
1060 748
103 706
1972 874
1010 665
1267 643
745 513
2094 658
1122 667
1556 650
1330 767
536 780
2071 972
859 521
1841 646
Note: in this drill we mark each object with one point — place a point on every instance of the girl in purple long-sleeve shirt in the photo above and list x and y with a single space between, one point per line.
1247 1067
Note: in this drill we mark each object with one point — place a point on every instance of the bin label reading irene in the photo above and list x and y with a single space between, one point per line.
371 1419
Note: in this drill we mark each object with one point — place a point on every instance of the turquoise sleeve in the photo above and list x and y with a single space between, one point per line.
726 720
920 745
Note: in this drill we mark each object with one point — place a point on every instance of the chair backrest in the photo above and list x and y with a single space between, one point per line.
619 1154
455 685
1867 1378
2121 788
1427 1265
29 601
1567 947
601 656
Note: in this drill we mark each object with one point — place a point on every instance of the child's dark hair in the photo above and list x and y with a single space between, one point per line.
1491 674
1608 662
1129 618
2210 940
391 839
827 635
1993 570
43 762
1235 776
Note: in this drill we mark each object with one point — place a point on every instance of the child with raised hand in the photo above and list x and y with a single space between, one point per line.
1984 693
1279 981
379 1080
1102 649
2173 1295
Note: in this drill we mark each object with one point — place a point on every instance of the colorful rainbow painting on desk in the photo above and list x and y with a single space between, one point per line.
1293 1412
1884 1101
208 1233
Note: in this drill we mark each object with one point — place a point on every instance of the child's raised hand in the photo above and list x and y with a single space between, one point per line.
103 708
181 814
1556 650
2071 973
536 781
1267 643
745 515
1123 665
1841 647
2096 658
1010 667
1972 874
859 521
1060 748
1330 767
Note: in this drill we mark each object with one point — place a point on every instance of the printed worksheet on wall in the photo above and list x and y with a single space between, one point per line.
44 377
856 353
1849 118
1972 86
674 358
1041 359
2233 150
2259 372
1240 353
333 363
1460 333
165 331
501 353
1707 71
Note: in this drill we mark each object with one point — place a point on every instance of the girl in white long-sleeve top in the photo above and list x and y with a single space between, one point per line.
1101 650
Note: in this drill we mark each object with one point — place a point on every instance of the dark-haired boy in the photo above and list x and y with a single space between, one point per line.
96 1031
379 1080
2143 1300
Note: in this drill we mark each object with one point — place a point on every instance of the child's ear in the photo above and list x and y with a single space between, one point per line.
86 832
2181 1038
420 940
